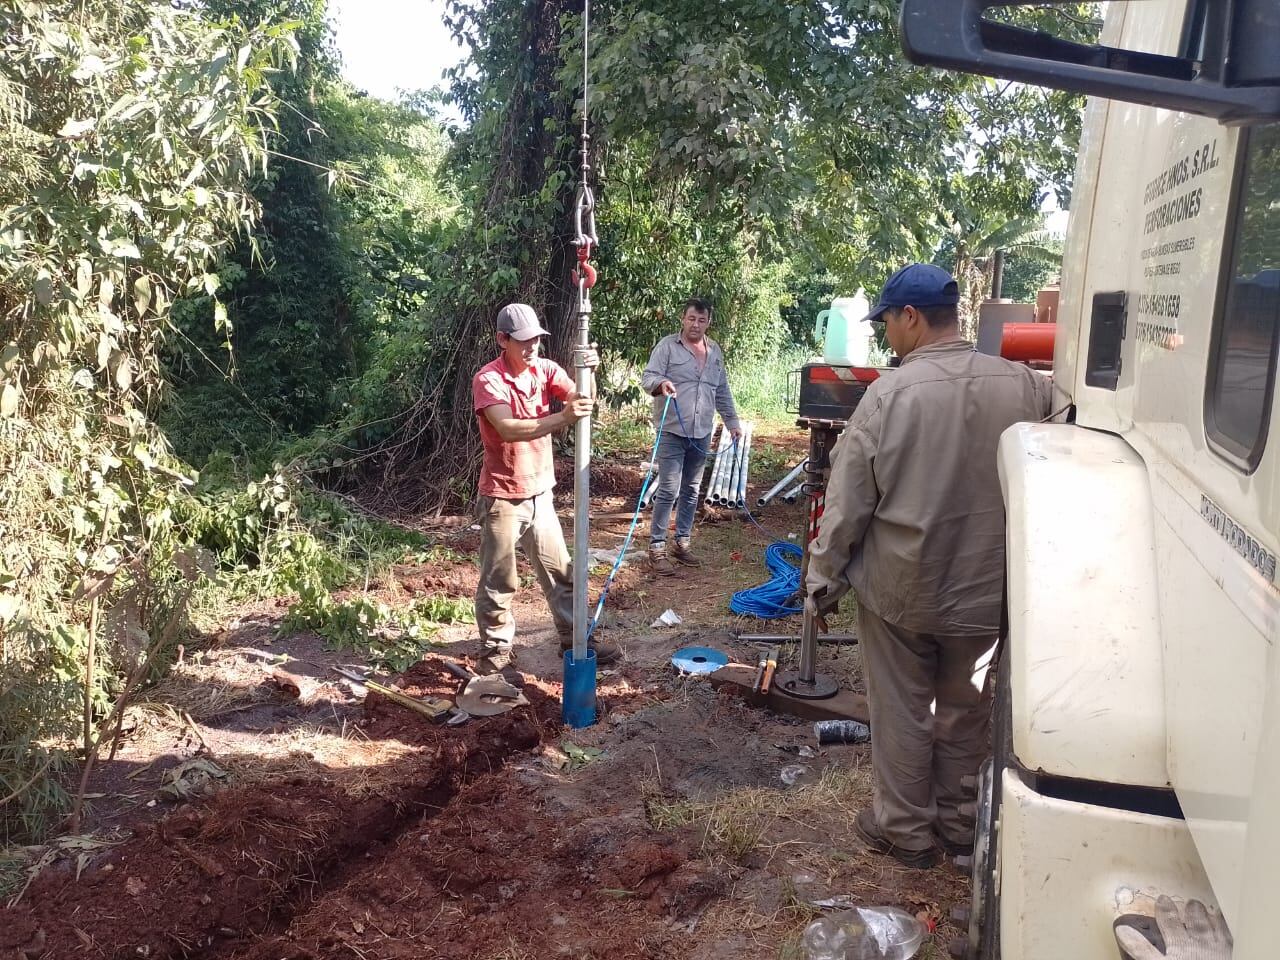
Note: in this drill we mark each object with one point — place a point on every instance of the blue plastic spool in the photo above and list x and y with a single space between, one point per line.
697 661
578 708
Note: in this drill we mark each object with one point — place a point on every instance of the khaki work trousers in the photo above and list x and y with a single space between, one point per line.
532 523
930 703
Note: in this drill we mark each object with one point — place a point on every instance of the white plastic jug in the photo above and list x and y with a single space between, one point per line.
844 332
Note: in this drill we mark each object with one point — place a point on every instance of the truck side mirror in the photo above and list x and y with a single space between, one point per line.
1231 70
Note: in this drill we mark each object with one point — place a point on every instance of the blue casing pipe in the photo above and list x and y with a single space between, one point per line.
579 703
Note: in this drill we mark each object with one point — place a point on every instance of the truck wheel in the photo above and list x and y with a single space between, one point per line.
984 912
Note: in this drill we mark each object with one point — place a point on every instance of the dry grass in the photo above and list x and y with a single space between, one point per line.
309 750
739 822
204 691
741 916
513 951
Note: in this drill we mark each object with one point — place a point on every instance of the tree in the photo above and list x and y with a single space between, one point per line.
126 140
973 240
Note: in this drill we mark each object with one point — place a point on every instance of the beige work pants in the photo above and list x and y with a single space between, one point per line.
930 703
532 523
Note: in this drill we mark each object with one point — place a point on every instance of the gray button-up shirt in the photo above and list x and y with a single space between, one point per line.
699 392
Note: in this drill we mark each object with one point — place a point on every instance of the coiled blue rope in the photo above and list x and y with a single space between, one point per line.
769 600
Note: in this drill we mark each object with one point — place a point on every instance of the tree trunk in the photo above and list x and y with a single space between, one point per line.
432 460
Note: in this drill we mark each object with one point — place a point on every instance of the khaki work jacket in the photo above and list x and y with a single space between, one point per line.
914 518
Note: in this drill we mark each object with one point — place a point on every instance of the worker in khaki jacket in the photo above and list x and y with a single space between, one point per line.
914 525
512 399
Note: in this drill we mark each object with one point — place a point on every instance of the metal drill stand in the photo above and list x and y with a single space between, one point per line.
806 683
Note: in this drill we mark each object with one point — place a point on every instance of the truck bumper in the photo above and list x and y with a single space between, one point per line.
1067 870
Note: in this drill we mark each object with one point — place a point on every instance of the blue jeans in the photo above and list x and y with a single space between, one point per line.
680 462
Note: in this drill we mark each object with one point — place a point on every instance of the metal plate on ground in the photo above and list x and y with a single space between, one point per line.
490 696
698 660
790 684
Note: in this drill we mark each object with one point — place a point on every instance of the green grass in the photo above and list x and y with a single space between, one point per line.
760 385
393 638
770 462
623 433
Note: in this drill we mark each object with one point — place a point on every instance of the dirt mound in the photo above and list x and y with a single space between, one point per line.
494 876
607 479
211 875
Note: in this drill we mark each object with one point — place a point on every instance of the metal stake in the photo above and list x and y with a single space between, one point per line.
583 381
806 683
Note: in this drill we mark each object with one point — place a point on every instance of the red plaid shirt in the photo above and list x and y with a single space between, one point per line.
522 468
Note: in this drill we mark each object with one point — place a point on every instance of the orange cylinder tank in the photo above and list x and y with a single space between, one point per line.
1028 341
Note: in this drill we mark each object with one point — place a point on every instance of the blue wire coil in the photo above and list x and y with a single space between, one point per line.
769 600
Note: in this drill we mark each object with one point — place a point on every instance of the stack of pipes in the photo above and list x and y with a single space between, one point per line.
728 486
726 483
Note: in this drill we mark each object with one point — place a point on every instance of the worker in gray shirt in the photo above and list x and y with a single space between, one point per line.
689 368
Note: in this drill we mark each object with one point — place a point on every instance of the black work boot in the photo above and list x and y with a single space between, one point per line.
866 827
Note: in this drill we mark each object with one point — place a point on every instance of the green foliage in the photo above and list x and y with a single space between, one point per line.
973 239
760 388
1026 273
353 210
127 136
393 639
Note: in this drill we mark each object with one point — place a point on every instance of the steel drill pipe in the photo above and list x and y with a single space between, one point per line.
731 479
726 468
794 494
740 495
735 485
730 484
731 489
716 461
780 485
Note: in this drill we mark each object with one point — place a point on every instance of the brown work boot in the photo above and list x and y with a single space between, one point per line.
865 826
606 652
658 561
681 553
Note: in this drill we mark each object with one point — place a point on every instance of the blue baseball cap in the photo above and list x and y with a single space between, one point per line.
917 285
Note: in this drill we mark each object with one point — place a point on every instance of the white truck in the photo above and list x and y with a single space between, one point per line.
1136 743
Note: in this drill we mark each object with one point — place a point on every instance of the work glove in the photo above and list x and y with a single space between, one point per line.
811 606
820 603
1194 934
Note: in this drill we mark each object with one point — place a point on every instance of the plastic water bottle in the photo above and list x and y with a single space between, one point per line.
841 731
864 933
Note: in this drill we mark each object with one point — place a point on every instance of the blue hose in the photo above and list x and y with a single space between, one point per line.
766 602
769 600
649 476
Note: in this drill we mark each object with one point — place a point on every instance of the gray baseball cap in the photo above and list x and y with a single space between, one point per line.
519 322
